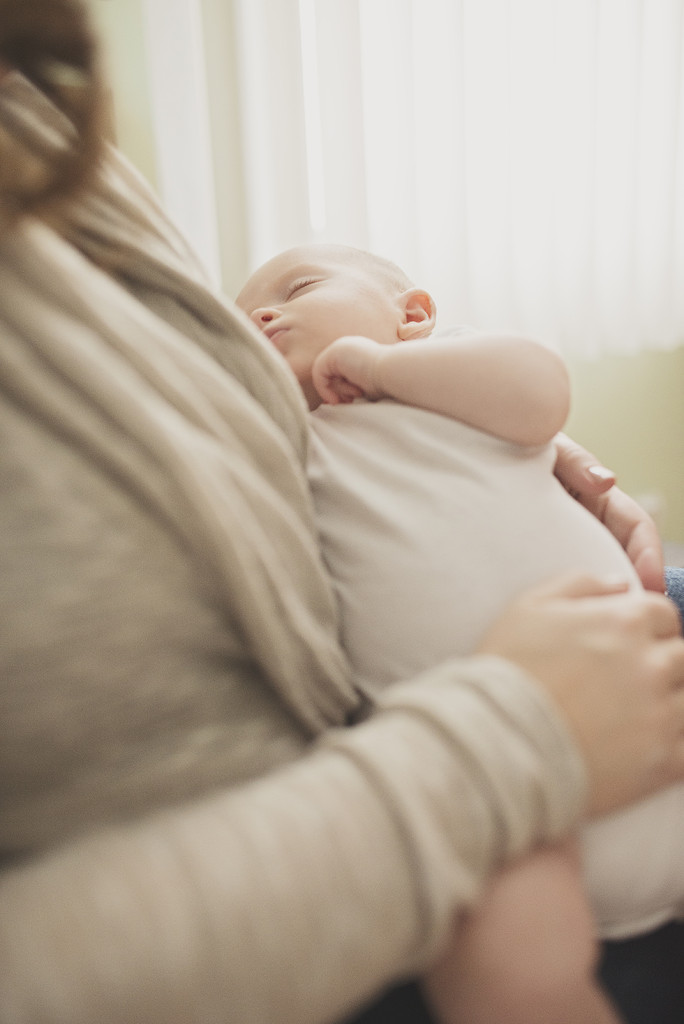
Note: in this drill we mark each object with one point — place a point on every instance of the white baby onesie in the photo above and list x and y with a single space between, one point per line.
429 529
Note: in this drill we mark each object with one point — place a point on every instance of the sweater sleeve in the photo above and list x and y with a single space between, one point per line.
149 483
298 896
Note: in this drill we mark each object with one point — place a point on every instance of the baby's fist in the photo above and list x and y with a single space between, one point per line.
347 369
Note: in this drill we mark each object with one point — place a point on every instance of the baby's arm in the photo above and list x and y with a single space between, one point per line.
527 954
507 385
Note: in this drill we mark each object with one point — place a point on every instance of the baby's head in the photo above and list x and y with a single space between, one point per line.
305 298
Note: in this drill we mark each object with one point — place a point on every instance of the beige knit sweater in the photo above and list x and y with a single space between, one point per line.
190 830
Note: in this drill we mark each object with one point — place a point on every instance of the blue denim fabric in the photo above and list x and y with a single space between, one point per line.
674 579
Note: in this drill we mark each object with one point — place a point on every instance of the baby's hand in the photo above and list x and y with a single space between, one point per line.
347 369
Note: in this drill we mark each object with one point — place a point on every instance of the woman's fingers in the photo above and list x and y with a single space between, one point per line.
579 471
649 607
592 485
575 585
613 661
664 616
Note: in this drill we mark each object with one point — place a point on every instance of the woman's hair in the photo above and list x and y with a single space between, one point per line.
51 43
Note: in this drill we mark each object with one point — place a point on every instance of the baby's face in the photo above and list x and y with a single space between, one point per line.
307 297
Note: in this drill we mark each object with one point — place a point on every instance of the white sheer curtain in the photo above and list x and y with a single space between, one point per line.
179 102
523 159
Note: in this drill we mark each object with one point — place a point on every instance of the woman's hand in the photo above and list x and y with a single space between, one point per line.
592 485
613 660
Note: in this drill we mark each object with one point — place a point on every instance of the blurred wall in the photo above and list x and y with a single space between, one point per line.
629 410
120 23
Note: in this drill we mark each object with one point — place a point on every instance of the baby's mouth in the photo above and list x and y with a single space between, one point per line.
276 336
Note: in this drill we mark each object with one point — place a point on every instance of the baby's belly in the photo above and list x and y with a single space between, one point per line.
430 528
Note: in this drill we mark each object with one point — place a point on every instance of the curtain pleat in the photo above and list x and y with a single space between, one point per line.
521 158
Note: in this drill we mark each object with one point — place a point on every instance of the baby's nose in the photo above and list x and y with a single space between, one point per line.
263 316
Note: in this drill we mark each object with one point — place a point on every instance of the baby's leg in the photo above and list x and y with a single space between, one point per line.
527 954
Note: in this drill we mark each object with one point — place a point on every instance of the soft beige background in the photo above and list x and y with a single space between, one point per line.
120 23
630 411
627 410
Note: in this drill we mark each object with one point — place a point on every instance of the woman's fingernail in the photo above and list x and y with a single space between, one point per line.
601 473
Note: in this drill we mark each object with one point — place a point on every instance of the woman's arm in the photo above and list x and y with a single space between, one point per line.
508 385
298 896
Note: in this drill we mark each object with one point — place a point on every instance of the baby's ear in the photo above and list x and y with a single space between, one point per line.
418 314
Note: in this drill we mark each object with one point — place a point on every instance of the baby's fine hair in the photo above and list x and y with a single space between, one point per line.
391 273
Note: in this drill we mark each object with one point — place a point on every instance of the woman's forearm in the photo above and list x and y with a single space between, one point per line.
300 895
